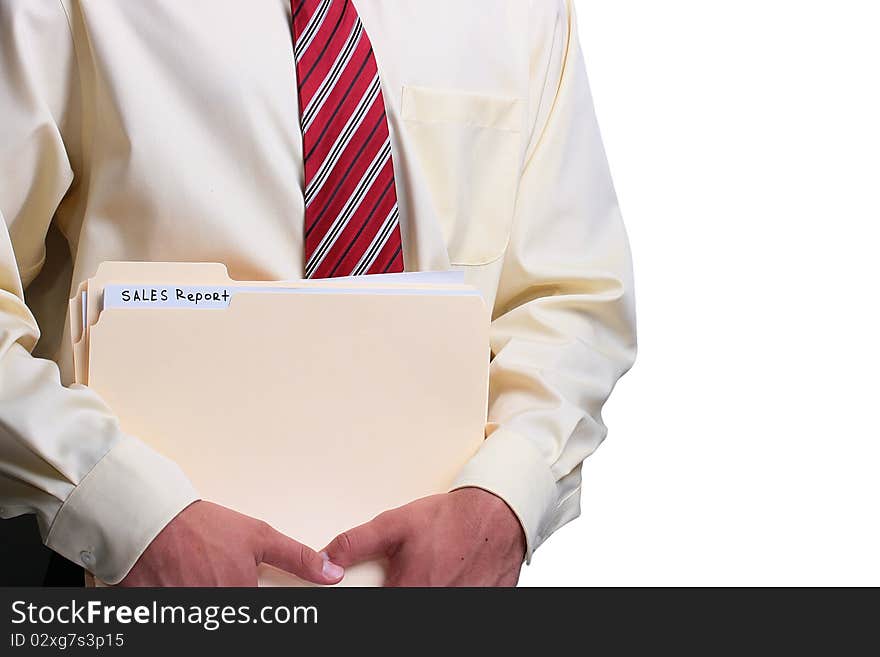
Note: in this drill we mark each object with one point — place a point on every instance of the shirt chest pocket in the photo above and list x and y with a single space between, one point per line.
468 148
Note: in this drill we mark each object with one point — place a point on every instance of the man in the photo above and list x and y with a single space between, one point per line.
324 138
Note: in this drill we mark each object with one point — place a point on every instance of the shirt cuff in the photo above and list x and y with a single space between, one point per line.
511 467
118 509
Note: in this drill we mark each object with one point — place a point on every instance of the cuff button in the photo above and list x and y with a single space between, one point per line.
87 557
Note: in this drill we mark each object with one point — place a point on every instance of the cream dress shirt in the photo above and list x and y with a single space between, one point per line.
168 130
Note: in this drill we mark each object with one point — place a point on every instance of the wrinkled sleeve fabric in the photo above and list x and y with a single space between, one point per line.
563 328
100 496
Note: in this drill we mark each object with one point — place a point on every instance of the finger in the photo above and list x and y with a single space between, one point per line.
294 557
379 537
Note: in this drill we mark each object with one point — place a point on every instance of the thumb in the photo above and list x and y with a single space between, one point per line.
379 537
298 559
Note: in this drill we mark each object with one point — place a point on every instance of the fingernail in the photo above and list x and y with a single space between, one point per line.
331 570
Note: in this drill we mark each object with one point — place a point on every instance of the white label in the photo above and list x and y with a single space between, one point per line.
218 297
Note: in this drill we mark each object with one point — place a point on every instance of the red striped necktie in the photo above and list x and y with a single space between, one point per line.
351 219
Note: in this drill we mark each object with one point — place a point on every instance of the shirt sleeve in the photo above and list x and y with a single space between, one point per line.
100 496
563 328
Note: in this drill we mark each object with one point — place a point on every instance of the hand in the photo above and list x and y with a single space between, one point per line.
210 545
464 538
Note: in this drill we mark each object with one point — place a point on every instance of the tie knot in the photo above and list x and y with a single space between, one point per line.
306 8
308 13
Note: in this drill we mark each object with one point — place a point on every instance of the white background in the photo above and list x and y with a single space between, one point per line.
744 448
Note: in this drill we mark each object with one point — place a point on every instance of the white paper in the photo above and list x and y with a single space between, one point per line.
410 277
85 311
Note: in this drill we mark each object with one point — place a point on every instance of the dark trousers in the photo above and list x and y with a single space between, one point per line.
25 561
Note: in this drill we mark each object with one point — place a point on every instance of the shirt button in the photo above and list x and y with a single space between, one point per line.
87 557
